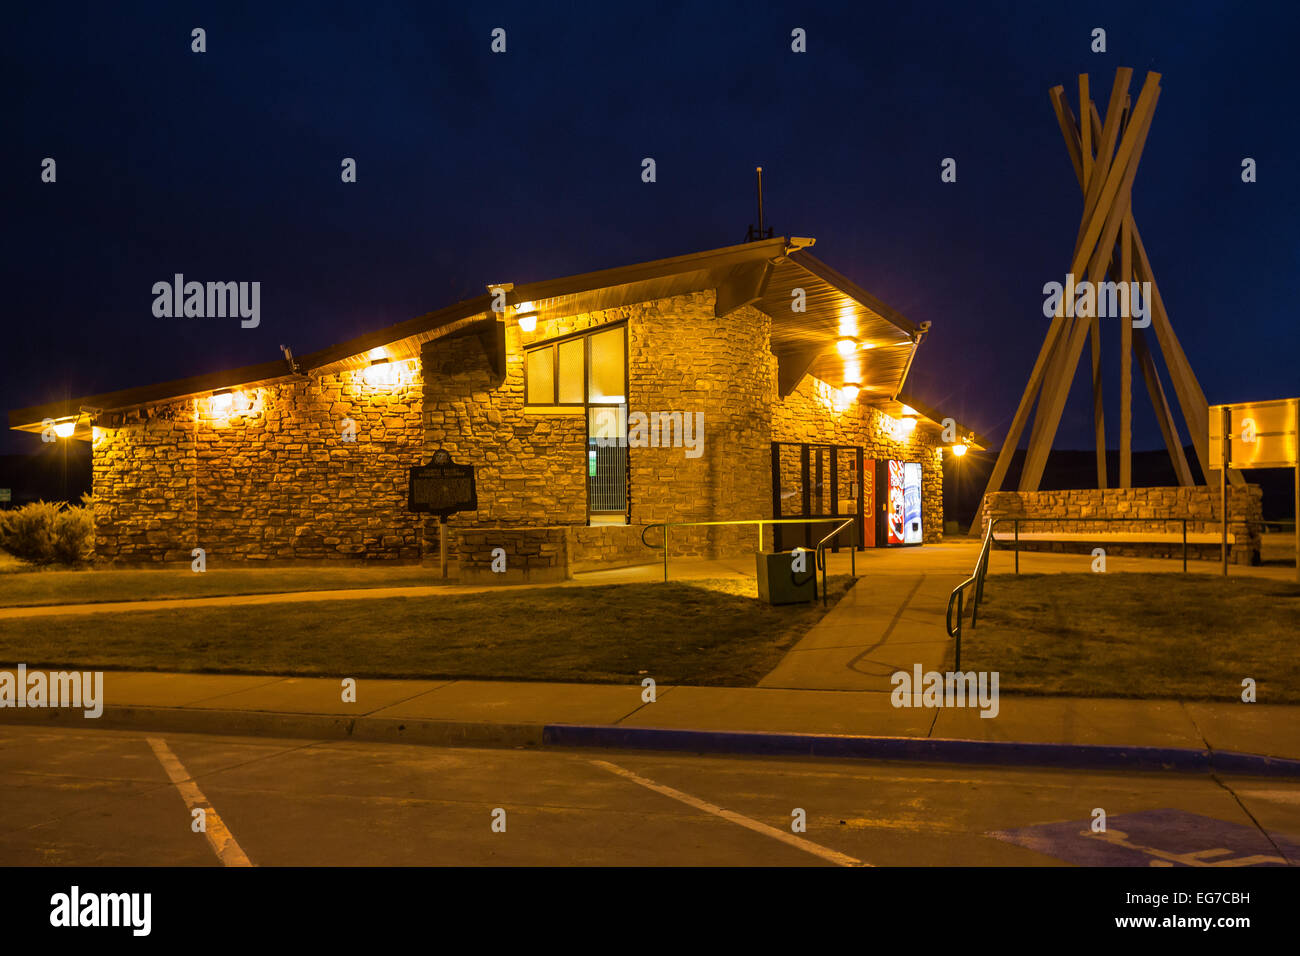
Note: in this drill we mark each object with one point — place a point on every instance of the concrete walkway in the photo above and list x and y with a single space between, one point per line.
505 713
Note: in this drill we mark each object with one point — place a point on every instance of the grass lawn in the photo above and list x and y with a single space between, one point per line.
697 632
24 588
1139 635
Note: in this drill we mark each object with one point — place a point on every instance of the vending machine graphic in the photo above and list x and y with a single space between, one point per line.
898 503
911 502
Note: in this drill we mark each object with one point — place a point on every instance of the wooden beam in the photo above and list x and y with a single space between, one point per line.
1163 413
1099 235
744 286
1098 408
792 366
1126 361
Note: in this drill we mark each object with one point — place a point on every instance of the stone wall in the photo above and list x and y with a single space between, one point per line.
278 481
274 480
531 555
1071 510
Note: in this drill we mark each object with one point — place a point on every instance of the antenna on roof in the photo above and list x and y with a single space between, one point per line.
754 235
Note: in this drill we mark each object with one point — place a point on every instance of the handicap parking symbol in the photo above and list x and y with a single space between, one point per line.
1157 838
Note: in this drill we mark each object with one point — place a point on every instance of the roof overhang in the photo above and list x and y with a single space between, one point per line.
763 274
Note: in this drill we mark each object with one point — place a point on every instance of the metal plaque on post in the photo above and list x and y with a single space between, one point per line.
442 488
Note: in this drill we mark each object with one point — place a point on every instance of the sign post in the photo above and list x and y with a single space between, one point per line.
1256 435
442 488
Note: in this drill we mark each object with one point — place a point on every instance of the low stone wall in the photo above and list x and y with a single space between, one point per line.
1073 508
532 555
611 546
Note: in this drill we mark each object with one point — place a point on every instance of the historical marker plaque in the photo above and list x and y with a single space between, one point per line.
442 487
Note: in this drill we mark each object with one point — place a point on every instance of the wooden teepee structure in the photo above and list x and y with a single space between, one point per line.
1105 157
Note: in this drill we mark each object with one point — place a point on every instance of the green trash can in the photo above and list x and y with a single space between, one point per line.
779 584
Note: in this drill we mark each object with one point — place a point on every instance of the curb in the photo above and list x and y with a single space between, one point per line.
926 749
449 733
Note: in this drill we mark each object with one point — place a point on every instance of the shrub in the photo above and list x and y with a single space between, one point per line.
48 532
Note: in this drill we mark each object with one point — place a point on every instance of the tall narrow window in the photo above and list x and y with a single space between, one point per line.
590 371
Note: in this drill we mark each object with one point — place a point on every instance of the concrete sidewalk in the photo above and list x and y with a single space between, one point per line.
519 714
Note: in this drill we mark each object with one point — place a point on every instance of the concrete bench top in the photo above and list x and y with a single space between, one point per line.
1119 537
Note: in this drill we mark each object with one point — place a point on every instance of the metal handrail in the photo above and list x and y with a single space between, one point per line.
759 521
958 593
821 555
957 597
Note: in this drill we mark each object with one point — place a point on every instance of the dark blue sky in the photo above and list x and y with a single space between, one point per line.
475 168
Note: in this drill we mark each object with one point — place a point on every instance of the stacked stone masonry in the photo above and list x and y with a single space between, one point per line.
280 481
1070 511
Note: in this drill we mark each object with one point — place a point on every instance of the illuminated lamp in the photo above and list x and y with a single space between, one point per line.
850 391
65 429
847 345
958 450
527 316
222 401
381 372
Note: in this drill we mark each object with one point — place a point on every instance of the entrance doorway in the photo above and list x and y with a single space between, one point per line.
811 480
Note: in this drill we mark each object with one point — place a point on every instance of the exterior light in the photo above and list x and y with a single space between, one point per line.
846 345
65 429
958 450
909 410
222 401
526 313
381 372
850 391
908 424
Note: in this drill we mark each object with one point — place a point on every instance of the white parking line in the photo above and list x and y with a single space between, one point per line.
816 849
219 836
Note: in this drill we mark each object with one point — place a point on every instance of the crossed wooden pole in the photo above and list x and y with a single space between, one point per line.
1105 157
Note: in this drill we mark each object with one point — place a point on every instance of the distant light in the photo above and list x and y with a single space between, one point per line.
958 450
846 345
65 429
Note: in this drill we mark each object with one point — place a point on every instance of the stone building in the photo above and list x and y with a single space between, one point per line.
708 387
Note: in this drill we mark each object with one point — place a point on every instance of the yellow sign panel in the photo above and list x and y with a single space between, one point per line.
1261 434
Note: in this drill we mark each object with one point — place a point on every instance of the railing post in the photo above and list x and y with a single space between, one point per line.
1017 545
959 613
665 553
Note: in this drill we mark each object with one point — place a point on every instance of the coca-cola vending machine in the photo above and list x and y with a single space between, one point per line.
898 503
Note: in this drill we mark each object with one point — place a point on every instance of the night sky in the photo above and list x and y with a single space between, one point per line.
477 168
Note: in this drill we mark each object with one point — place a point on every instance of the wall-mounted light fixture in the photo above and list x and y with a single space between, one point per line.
846 345
526 313
222 402
381 371
849 391
958 449
64 429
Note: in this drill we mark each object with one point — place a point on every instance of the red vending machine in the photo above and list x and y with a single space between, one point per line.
898 503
